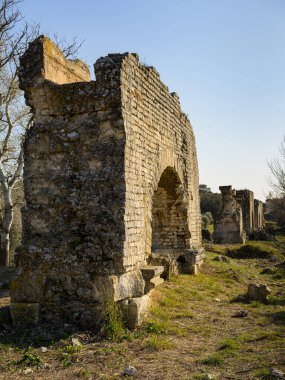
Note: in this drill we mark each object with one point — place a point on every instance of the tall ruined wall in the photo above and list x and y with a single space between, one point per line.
246 199
75 192
259 221
228 228
94 159
158 136
74 167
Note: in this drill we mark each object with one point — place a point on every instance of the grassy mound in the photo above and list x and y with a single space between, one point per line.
252 251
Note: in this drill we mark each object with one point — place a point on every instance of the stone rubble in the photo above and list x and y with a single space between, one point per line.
258 292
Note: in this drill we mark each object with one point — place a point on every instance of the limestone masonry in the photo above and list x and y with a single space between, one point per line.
241 215
111 187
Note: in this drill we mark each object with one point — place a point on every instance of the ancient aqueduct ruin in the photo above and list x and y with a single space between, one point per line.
112 190
241 215
111 186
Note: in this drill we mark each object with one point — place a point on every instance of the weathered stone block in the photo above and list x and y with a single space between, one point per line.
258 292
152 283
135 310
128 285
28 288
151 271
25 313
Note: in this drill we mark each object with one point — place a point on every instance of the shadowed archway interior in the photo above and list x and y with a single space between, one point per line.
169 213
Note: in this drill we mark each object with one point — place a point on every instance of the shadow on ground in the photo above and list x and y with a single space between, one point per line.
25 337
278 318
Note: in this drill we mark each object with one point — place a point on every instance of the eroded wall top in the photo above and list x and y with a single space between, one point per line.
44 60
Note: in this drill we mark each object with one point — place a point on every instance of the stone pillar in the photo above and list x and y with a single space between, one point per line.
259 221
246 200
228 229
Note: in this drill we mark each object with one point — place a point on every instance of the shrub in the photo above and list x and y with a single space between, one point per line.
29 359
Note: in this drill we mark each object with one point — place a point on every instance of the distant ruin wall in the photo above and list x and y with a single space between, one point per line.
246 199
259 221
95 160
228 228
241 215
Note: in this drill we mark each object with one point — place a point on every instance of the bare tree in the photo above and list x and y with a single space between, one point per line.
277 169
15 116
276 200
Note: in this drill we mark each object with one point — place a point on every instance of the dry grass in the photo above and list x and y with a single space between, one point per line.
189 333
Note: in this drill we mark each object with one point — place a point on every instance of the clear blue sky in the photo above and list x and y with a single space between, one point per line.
225 59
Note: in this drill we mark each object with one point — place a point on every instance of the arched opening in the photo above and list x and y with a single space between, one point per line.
169 214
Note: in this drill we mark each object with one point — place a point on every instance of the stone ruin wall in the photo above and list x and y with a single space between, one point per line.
228 229
93 162
259 220
246 199
241 215
158 136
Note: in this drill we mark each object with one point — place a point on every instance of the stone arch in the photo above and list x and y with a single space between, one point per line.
167 158
169 221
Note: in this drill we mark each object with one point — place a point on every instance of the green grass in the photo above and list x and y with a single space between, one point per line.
227 345
158 343
155 327
114 328
253 250
213 360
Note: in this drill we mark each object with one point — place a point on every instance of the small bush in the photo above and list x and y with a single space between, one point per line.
31 360
69 355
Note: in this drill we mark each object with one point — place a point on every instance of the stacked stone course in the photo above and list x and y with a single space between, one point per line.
96 160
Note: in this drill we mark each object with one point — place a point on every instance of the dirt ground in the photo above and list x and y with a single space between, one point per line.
191 332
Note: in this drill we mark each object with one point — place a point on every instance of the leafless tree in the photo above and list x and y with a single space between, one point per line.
277 182
15 116
277 169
